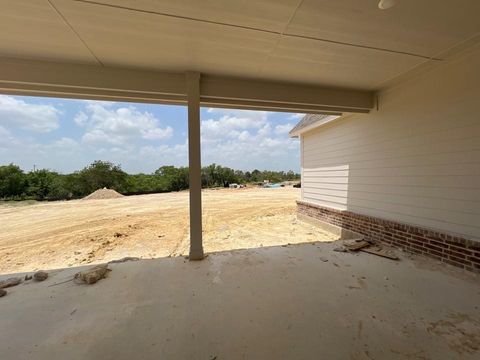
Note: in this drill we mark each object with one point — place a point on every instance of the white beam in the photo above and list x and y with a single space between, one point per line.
252 91
195 165
85 79
45 78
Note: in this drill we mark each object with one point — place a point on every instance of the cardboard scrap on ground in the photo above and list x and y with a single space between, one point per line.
368 247
357 245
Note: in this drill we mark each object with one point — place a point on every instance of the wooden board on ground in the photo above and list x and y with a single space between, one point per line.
380 252
357 245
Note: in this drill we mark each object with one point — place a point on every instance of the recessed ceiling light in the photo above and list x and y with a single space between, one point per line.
386 4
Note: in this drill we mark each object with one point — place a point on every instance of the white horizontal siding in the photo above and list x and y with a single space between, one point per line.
416 160
453 193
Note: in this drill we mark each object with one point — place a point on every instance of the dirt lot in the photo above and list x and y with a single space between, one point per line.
71 233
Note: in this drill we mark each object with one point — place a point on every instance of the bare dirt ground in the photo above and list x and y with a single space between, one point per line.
79 232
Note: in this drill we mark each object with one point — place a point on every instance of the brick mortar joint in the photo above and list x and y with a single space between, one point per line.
449 248
391 225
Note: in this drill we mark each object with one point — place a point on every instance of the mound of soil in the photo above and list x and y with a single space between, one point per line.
103 194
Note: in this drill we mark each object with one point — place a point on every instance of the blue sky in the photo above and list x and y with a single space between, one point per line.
66 135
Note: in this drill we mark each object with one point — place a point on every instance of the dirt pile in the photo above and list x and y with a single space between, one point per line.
103 194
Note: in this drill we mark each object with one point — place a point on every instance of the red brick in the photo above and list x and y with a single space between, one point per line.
450 249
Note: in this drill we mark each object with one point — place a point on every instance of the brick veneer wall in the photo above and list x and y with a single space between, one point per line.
450 249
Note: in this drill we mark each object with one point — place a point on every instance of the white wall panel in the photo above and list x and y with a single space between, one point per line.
416 160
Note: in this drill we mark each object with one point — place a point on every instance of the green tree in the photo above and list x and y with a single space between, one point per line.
49 185
146 183
102 174
176 179
256 175
40 183
13 182
60 189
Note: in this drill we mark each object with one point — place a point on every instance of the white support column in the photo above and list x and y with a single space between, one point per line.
195 165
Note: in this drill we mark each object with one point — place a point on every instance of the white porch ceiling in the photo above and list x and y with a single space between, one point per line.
343 43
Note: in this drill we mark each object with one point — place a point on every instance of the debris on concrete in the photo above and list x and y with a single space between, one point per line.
378 250
323 259
125 259
28 277
357 245
91 276
13 281
40 275
3 292
367 246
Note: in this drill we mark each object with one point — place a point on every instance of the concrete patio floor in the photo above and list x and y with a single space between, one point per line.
296 302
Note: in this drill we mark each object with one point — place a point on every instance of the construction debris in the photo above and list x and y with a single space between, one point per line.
367 246
93 275
3 292
13 281
378 250
357 245
40 275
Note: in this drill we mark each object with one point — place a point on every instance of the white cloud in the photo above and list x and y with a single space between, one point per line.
105 124
81 119
155 156
236 138
28 116
245 140
156 152
252 114
65 143
297 116
158 134
265 130
244 135
5 139
97 136
283 129
4 132
232 124
63 154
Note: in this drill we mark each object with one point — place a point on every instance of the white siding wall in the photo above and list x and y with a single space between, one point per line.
416 160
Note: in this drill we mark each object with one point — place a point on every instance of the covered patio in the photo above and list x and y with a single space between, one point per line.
301 301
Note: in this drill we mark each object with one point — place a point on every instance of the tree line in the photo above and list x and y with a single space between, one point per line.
44 184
